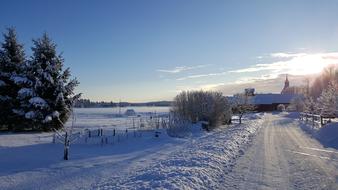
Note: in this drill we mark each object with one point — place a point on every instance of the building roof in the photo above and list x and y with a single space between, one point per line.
260 99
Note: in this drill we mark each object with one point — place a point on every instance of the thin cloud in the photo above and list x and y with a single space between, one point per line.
294 63
202 75
266 84
181 69
287 55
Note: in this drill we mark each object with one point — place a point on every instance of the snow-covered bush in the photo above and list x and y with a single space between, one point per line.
177 126
296 104
202 106
281 107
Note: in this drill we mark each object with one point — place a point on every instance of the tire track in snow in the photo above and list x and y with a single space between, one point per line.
268 163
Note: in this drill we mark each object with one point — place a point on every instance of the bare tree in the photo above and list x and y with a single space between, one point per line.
208 106
242 104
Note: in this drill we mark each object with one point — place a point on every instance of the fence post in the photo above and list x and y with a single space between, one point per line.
321 121
313 120
66 147
54 138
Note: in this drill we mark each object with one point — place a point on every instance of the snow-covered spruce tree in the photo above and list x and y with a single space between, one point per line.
52 92
12 59
327 101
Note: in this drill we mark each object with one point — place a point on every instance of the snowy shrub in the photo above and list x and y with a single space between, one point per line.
178 127
195 106
281 107
297 104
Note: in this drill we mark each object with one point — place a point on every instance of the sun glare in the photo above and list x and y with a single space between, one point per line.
308 64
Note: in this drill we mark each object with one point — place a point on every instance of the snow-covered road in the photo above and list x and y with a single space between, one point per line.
284 157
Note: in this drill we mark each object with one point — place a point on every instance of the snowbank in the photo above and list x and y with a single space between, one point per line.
201 164
328 135
200 161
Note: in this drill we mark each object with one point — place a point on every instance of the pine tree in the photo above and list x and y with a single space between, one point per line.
12 59
328 101
51 96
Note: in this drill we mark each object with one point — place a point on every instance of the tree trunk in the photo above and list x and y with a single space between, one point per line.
66 147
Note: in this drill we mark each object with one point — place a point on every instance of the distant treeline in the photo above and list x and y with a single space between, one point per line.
86 103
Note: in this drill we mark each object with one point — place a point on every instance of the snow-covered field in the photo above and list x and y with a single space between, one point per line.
200 161
106 117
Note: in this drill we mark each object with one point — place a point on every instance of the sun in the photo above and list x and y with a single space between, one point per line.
309 64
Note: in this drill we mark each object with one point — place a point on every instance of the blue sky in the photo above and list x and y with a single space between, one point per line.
152 49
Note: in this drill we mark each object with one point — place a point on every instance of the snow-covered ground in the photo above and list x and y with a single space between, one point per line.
268 151
283 156
106 117
200 161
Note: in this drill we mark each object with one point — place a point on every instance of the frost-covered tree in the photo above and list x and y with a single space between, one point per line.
202 106
48 102
296 104
310 106
327 101
242 104
281 107
12 59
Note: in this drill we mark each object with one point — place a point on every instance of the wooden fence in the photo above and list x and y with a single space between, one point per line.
315 119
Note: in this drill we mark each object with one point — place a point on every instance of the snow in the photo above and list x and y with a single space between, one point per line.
47 119
18 111
282 156
48 77
4 98
20 80
30 115
268 151
25 92
143 161
55 114
2 83
327 134
38 102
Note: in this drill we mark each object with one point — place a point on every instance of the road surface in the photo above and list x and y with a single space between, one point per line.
282 156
